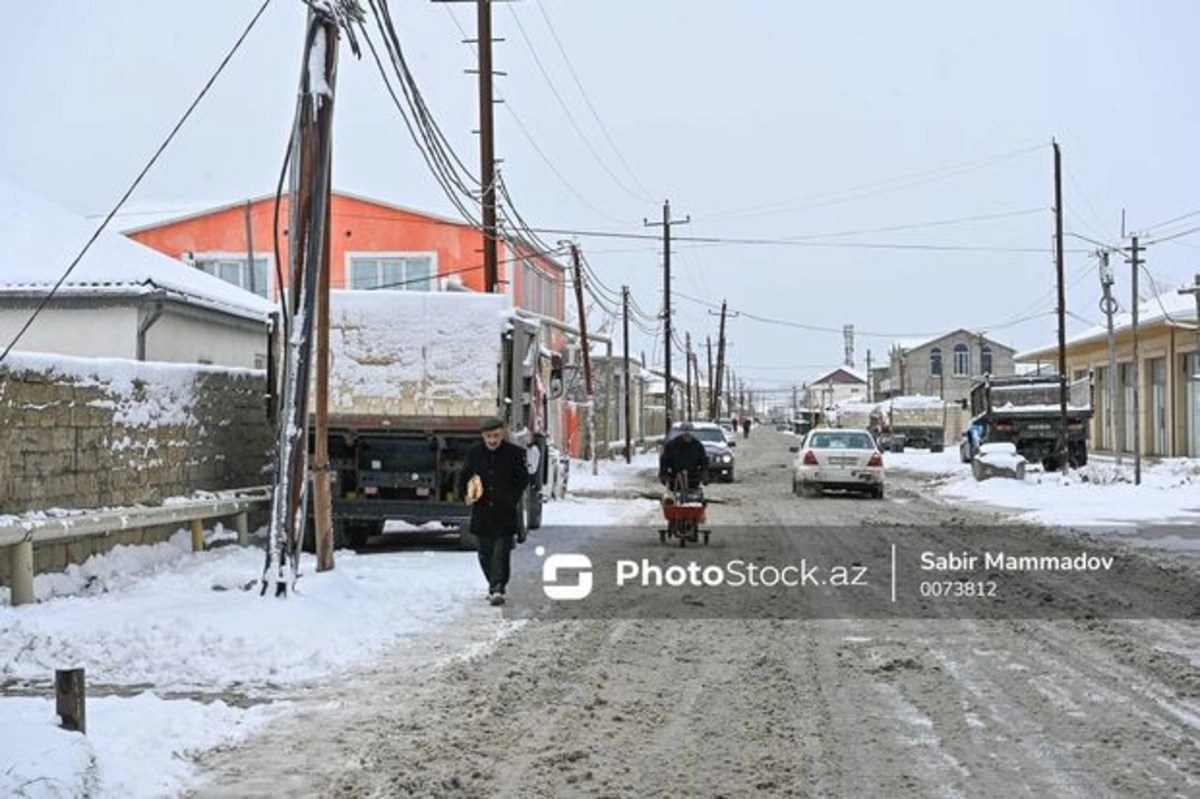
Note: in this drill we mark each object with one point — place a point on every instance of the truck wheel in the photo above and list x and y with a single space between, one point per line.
937 448
468 540
1078 455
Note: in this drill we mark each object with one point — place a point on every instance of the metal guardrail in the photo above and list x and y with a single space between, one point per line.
19 537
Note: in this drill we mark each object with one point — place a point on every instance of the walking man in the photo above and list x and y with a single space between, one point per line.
493 479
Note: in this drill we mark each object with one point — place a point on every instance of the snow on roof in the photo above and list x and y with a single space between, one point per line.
1170 306
854 373
39 239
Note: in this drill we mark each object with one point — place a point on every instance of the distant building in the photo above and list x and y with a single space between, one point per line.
122 300
947 365
1168 372
834 386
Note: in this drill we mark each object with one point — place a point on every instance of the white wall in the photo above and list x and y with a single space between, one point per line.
184 339
94 333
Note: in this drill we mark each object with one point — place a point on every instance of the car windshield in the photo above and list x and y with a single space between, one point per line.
841 441
712 434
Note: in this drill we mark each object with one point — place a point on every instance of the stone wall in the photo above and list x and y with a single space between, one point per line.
81 433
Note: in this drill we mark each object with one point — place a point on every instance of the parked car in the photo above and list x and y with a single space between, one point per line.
720 456
730 435
838 458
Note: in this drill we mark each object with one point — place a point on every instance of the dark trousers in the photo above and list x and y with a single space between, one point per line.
495 558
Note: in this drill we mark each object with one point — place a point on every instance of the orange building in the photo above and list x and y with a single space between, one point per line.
374 244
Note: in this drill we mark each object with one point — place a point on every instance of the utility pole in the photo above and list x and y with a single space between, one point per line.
587 359
1062 312
1134 253
687 380
870 380
251 278
625 371
720 376
308 246
666 226
1109 306
487 144
1194 290
712 408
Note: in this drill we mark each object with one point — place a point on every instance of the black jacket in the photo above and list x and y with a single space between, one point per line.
504 478
681 455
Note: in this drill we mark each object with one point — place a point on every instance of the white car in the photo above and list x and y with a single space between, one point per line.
838 458
730 435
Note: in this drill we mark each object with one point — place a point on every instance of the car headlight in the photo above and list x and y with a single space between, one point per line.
726 458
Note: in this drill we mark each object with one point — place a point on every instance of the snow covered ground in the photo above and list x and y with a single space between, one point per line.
222 661
1100 495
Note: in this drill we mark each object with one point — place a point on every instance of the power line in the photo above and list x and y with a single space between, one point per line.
1170 221
887 185
137 180
587 100
567 111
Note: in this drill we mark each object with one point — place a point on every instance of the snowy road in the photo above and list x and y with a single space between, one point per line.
622 706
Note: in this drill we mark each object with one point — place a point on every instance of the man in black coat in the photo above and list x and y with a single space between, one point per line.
683 454
493 479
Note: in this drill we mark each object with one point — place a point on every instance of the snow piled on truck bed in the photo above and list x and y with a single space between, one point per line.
415 353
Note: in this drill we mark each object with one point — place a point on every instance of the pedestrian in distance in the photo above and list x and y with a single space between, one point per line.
745 427
492 481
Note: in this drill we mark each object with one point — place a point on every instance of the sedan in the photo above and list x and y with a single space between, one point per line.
838 458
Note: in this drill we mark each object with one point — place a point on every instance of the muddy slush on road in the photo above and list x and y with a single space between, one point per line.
632 696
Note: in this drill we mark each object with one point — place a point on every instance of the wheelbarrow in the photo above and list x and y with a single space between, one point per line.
684 510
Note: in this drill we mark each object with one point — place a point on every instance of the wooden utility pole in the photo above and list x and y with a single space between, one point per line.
870 380
587 360
712 408
667 344
1062 457
487 144
687 380
720 365
307 241
251 278
1135 261
322 501
625 373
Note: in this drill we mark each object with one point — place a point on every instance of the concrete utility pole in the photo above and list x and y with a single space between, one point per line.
870 380
1108 305
1061 457
625 372
667 344
587 360
1135 260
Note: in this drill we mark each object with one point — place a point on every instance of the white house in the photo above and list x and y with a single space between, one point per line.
835 386
121 300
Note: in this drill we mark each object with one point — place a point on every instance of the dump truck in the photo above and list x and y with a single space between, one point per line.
913 421
1026 410
411 377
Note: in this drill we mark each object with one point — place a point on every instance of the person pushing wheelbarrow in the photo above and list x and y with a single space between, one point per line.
683 469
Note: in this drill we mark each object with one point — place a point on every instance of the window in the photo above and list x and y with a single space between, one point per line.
392 272
962 360
935 361
537 290
233 270
985 359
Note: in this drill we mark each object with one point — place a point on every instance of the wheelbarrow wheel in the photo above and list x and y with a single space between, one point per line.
682 540
662 536
706 538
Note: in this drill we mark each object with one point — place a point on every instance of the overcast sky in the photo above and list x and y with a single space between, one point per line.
761 119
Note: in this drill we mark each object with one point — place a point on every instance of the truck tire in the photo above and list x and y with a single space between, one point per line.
937 447
1078 454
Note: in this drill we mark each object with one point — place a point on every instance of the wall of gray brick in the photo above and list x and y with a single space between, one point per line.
80 434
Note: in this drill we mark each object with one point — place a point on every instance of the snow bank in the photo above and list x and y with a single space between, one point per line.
135 747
